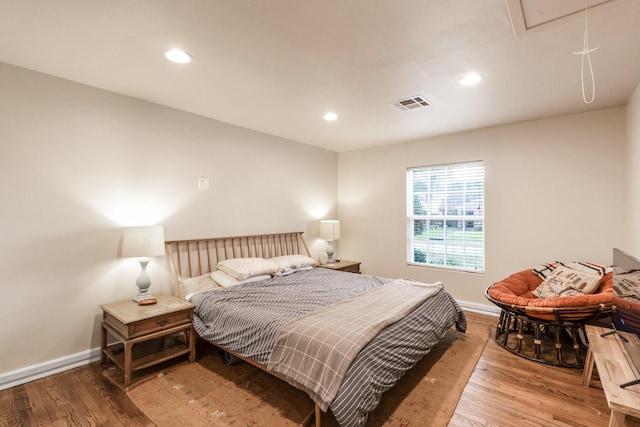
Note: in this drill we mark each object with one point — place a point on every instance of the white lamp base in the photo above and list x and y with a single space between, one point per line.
143 297
143 282
330 259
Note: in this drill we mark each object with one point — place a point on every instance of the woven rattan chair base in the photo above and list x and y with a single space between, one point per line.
553 343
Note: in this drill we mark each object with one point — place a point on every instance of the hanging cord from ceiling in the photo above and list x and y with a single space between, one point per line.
585 52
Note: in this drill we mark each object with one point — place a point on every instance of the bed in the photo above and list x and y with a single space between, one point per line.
258 320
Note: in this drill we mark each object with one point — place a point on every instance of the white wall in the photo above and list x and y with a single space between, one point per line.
554 189
633 171
78 164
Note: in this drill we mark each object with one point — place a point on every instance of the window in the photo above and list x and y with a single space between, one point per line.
445 216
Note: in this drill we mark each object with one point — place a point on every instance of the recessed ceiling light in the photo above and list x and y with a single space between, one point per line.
178 56
470 79
330 116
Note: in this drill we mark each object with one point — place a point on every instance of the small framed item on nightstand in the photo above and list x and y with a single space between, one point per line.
348 266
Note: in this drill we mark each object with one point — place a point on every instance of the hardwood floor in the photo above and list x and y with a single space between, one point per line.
508 390
79 397
504 390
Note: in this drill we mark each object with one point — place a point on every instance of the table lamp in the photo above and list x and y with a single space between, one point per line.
330 231
143 243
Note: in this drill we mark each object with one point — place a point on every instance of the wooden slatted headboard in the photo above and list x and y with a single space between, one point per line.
195 257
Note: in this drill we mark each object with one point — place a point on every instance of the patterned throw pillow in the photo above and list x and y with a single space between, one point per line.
545 270
565 282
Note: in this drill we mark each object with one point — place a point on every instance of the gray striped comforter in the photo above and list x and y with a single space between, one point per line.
247 318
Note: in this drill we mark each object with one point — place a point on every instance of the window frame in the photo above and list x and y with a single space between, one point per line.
469 212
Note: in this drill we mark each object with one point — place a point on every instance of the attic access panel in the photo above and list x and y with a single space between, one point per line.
527 15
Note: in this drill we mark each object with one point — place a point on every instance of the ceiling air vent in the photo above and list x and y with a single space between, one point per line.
412 103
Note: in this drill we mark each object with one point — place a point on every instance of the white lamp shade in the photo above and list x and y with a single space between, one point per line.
329 229
143 241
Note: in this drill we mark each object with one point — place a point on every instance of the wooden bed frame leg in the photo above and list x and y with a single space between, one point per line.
317 413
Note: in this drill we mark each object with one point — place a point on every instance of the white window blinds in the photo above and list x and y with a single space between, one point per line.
445 216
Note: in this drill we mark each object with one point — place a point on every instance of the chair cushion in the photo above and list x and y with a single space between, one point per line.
517 289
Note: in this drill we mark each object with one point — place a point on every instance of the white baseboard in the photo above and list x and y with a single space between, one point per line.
41 370
490 310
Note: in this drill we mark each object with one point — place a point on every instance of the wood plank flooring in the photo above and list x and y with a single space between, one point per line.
79 397
504 390
508 390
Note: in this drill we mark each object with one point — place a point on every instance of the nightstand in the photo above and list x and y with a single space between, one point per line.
165 327
348 266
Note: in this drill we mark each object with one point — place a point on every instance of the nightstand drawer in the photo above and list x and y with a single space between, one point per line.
346 266
355 268
154 324
147 326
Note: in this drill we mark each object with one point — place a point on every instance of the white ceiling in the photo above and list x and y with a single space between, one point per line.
277 66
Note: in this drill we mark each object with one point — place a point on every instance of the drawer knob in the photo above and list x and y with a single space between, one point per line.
162 322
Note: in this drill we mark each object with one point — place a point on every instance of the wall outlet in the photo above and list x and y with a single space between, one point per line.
203 183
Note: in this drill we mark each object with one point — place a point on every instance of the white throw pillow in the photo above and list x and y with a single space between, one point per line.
243 268
193 285
225 281
291 263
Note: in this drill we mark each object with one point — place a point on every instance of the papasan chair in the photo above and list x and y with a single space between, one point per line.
544 310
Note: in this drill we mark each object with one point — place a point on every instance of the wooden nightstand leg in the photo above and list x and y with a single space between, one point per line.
128 347
192 344
103 343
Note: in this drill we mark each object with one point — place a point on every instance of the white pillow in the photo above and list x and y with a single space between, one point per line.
193 285
243 268
224 280
295 270
293 262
